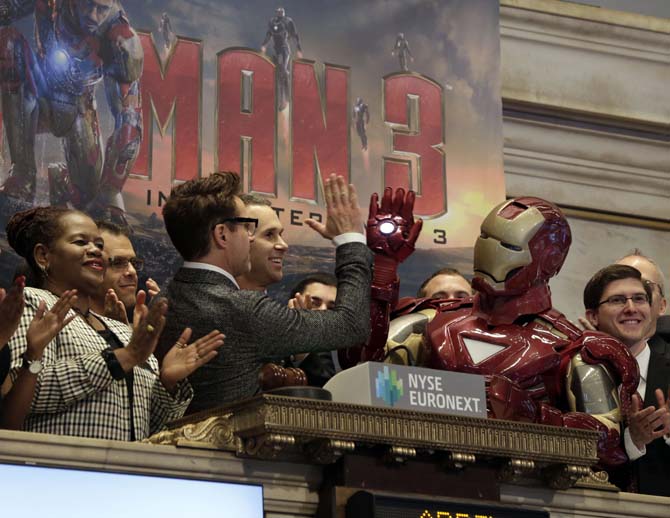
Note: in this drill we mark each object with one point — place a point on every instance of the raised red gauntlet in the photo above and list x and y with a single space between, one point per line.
391 235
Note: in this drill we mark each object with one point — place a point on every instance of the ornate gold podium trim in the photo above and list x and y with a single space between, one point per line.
279 427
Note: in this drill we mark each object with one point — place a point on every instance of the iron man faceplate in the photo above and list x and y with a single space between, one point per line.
523 242
538 366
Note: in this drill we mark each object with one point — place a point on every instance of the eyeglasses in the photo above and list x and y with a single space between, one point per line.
639 299
121 263
250 224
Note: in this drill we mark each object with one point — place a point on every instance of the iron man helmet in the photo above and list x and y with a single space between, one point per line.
523 242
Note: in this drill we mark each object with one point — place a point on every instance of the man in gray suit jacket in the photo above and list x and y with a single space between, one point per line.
204 220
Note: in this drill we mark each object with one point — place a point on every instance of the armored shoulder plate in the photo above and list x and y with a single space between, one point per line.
406 336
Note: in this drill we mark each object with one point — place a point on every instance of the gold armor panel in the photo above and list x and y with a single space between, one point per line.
503 244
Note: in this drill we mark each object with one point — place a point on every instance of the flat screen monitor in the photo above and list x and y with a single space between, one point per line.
73 493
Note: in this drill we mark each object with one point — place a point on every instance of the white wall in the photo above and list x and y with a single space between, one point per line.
586 94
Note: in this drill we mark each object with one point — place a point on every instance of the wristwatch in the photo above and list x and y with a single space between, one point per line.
33 366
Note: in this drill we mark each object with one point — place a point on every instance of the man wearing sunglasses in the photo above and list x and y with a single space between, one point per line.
121 272
619 302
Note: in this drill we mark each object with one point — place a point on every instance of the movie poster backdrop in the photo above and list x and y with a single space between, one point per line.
400 93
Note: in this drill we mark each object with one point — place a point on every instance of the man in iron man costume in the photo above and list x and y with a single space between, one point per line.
539 367
80 43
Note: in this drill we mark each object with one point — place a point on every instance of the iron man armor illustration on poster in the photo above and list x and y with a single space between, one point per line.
539 367
80 43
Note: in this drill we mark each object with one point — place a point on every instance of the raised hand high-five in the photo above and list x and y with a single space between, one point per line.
391 234
391 229
343 212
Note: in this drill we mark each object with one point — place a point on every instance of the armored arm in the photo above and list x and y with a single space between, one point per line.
507 400
391 235
601 349
13 10
122 72
602 365
594 366
404 344
268 36
592 394
123 144
293 33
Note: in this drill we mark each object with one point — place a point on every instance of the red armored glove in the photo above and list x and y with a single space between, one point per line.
599 348
506 400
391 234
391 230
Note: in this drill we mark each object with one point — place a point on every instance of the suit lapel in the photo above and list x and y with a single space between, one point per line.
659 369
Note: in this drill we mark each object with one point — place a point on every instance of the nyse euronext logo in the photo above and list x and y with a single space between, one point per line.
388 387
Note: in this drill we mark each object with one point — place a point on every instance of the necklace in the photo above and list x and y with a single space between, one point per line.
90 318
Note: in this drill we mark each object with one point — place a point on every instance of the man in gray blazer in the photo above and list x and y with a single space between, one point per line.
204 220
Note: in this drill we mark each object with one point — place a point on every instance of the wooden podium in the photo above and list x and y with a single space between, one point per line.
312 456
394 451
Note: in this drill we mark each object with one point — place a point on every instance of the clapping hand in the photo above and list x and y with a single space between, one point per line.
45 325
586 325
391 229
301 301
649 423
114 308
11 309
148 324
152 287
184 358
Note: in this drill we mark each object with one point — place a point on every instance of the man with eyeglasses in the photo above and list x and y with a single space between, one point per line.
653 275
118 292
618 302
205 221
268 247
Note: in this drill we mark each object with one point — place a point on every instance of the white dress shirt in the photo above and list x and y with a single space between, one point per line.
643 363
